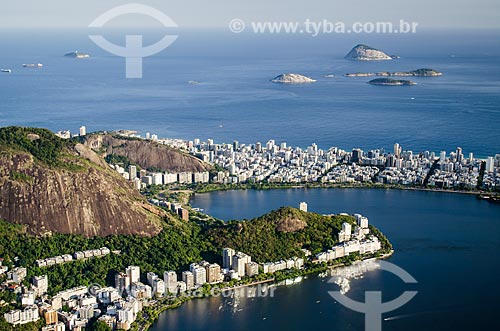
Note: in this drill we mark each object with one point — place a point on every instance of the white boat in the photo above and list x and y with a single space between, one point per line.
6 70
33 65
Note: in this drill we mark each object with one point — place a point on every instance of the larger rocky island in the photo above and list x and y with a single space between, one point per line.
366 53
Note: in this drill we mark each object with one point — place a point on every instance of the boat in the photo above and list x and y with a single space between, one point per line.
33 65
6 70
77 55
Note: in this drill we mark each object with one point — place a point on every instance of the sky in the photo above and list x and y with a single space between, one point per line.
468 14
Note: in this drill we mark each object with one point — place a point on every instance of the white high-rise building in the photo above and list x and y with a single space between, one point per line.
170 279
303 206
490 164
397 149
239 261
227 258
442 156
200 275
345 233
132 172
134 273
41 284
188 278
83 131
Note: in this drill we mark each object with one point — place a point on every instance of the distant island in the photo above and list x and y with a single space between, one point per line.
77 55
391 82
366 53
424 72
292 79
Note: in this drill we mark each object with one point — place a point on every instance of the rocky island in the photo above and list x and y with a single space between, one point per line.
391 82
366 53
292 79
77 55
424 72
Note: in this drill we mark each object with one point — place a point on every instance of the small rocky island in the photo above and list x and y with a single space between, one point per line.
292 79
77 55
391 82
424 72
366 53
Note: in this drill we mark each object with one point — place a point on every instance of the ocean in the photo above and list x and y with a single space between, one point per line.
236 101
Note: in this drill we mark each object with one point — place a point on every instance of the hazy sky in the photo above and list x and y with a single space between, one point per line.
217 13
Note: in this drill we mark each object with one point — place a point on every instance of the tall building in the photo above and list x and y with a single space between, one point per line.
258 147
134 273
460 156
170 279
188 278
132 172
357 154
345 233
122 282
252 269
213 273
303 206
227 258
442 156
490 164
41 284
239 261
199 275
83 131
397 150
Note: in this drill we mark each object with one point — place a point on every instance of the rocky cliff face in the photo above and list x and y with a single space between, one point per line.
147 154
366 53
78 194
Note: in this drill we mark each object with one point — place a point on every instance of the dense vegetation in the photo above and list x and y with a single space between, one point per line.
41 143
173 249
269 237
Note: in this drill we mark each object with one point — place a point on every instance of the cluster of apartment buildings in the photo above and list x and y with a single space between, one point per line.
280 163
76 256
357 241
175 208
144 178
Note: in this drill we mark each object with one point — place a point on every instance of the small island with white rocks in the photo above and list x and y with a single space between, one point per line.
77 55
424 72
391 82
366 53
292 79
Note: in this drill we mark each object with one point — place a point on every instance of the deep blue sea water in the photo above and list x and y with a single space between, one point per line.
235 99
448 242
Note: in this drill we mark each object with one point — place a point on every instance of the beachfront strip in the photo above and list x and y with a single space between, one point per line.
119 306
280 163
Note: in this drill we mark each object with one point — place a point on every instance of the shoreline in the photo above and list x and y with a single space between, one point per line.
303 272
221 187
